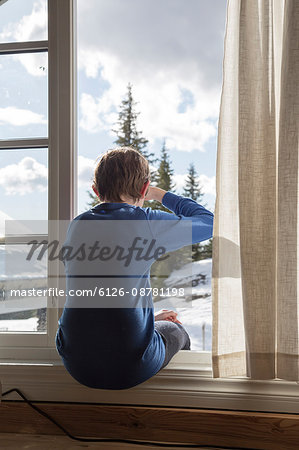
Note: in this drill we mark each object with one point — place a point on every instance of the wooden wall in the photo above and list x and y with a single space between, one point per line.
269 431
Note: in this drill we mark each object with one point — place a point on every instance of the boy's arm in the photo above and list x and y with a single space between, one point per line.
188 215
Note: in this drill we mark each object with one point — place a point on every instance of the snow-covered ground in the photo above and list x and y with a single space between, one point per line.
195 315
19 325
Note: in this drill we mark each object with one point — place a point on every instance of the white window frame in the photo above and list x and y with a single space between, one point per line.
28 346
34 365
62 108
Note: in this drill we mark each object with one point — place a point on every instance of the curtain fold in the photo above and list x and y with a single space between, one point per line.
255 245
288 202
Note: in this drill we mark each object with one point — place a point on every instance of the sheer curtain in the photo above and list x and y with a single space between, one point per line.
255 246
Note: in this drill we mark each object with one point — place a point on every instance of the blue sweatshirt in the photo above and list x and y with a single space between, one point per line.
109 342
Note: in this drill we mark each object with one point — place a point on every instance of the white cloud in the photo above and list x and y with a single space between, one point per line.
179 181
20 117
164 49
24 177
31 27
158 102
86 168
150 35
90 114
36 64
206 183
29 175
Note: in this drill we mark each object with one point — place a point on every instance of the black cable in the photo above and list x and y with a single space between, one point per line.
126 441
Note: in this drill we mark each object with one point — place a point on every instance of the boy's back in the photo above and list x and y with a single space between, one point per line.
108 340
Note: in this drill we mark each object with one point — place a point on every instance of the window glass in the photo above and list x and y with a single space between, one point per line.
23 185
23 20
23 196
24 95
161 75
22 300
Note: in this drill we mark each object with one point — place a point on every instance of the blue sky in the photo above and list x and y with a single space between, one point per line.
170 50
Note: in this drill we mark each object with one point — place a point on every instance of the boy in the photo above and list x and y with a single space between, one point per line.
114 340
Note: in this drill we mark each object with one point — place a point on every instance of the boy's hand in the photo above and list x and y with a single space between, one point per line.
155 193
167 314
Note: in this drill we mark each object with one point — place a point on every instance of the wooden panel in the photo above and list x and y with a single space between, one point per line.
267 431
10 441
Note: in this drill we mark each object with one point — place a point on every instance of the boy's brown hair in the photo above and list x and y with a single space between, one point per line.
121 172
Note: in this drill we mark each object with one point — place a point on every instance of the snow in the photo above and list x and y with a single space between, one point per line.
196 314
19 325
190 270
14 266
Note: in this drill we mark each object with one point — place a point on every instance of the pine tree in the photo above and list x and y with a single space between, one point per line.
193 190
128 135
164 180
94 199
206 250
163 176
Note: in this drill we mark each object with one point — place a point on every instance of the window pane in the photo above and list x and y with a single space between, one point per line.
24 95
21 309
171 57
23 185
23 20
196 314
23 196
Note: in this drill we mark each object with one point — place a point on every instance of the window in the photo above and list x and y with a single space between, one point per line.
24 179
36 122
171 57
40 137
175 79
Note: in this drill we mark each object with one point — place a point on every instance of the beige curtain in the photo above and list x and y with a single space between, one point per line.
255 246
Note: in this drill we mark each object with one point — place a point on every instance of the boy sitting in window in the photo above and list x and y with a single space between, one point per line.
112 339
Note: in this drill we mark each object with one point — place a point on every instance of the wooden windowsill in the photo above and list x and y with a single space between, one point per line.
177 385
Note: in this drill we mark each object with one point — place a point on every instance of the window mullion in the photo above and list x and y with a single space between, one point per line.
62 110
15 144
62 135
10 48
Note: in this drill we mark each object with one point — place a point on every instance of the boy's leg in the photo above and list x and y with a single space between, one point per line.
175 338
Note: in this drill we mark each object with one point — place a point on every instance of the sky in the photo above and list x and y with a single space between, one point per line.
171 51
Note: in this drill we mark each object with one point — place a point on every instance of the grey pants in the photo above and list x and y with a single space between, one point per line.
175 338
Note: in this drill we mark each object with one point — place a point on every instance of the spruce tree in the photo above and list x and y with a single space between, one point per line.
126 132
94 199
193 190
163 176
164 180
206 250
128 135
